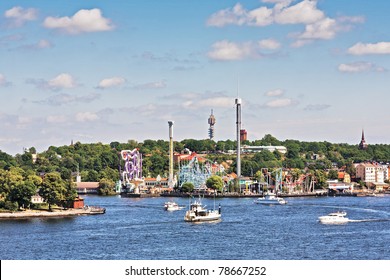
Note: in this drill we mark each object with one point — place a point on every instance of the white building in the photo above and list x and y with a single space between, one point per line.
37 199
335 185
255 149
370 173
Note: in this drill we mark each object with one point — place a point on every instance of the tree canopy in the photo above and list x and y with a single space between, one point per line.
21 175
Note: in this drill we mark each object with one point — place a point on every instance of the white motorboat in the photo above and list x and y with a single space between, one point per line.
270 199
334 218
171 206
198 213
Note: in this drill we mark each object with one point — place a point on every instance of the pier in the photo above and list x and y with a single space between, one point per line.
87 210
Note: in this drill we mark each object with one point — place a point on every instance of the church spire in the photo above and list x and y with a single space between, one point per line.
363 145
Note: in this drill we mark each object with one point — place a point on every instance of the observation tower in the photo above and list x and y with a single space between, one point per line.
211 122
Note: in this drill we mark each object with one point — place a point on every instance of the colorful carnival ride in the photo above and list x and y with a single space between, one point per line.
132 174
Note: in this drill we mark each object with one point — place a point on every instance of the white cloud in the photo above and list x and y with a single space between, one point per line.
279 103
86 117
276 92
62 81
43 44
376 48
269 44
225 50
56 119
216 102
325 29
304 12
151 85
81 22
317 107
259 17
236 15
284 2
3 81
301 43
19 15
111 82
63 99
361 66
196 101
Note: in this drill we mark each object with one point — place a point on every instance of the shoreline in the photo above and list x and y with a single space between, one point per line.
57 213
219 195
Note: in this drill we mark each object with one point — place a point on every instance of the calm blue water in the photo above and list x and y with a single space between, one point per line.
141 229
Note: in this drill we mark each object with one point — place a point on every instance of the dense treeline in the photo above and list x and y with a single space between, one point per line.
20 175
98 161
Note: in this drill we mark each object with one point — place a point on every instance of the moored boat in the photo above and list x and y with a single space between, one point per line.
270 199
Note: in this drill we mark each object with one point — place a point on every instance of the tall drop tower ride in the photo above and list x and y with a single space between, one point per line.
170 178
211 122
238 129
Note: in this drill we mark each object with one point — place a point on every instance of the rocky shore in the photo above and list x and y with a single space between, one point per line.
88 210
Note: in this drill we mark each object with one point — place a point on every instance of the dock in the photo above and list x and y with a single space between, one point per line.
87 210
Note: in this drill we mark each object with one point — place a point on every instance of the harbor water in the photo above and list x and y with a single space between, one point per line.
134 228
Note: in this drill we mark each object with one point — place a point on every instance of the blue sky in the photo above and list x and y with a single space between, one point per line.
103 71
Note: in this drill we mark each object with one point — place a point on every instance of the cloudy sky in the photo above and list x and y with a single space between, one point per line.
103 71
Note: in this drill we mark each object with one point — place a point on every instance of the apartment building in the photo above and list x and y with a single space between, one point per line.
371 172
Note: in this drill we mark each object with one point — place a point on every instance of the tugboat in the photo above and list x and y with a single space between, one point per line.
198 213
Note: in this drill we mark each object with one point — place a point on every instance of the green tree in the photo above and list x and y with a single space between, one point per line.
215 182
321 178
233 185
333 174
106 187
158 164
53 189
22 192
187 187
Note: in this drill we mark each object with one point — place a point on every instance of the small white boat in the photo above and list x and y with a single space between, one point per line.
171 206
334 218
198 213
270 199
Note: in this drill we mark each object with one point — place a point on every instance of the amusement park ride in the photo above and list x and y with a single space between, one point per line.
195 173
281 182
189 171
132 174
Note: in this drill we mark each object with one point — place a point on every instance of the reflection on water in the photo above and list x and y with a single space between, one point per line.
142 229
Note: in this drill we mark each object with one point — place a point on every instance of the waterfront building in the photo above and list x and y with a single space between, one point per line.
344 177
157 182
340 187
78 203
37 199
370 173
87 187
256 149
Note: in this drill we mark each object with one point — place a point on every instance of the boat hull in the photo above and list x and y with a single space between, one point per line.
270 201
171 206
334 218
326 220
211 216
